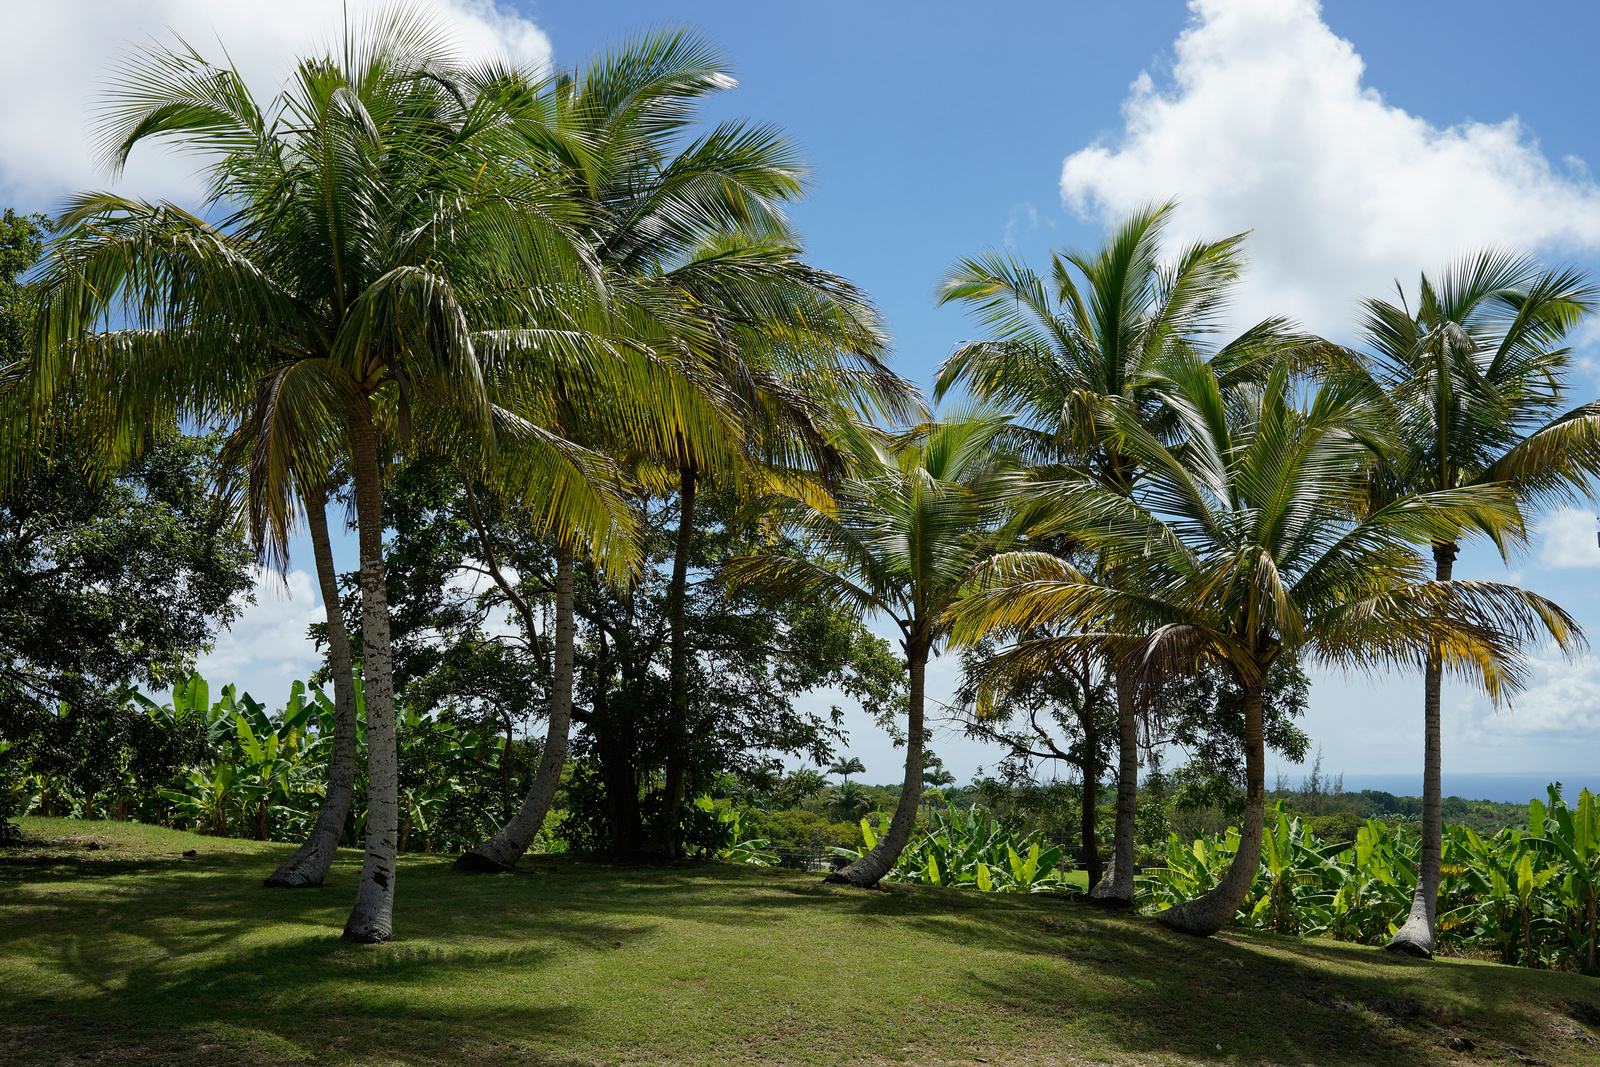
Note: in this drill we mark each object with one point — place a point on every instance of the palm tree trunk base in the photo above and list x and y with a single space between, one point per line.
842 878
1113 890
293 878
478 863
1202 921
1412 939
309 865
1109 903
366 937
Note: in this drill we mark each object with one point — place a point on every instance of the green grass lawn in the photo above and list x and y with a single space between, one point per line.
134 954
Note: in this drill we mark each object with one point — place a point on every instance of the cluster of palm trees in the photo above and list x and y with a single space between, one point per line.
539 275
554 281
1159 500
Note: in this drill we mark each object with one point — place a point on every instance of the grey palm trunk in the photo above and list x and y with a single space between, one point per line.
870 869
1116 886
372 918
501 852
1415 936
309 865
1210 912
667 834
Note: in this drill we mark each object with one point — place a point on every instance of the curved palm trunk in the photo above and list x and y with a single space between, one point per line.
666 835
1116 887
309 865
1210 912
1415 936
501 852
371 920
866 871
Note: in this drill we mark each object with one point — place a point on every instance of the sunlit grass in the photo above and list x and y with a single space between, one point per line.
134 954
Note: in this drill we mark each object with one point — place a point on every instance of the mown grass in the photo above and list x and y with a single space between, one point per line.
134 954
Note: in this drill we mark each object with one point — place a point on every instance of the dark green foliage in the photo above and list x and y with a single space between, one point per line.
470 586
234 767
109 583
1204 716
21 241
801 830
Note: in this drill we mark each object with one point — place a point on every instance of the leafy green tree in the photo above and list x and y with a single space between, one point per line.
1089 338
461 566
1242 548
21 241
1476 373
847 802
903 541
111 583
1067 714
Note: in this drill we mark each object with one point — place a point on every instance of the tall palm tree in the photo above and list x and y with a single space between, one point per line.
1248 541
1476 372
903 542
845 767
691 236
1090 338
380 250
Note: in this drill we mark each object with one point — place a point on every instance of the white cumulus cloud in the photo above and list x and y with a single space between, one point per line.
268 647
1567 539
1562 701
1267 126
62 53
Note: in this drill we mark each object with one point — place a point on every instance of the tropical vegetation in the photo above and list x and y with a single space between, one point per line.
632 483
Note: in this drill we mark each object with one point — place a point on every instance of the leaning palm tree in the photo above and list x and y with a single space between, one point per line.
903 542
1476 373
1090 338
309 864
377 232
1247 542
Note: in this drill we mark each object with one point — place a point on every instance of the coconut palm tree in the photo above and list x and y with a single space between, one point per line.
380 253
1476 373
846 767
1090 338
692 236
1249 540
903 542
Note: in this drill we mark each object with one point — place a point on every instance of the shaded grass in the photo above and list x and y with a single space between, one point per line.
133 954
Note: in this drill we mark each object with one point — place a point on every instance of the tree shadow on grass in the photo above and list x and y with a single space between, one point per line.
1158 991
310 999
167 965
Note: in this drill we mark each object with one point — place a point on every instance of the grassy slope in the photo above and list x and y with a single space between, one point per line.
136 955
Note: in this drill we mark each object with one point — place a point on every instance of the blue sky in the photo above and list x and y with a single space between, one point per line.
1358 141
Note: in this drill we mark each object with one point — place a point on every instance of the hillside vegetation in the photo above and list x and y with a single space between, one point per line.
134 953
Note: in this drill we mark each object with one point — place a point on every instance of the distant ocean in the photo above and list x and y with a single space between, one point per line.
1505 788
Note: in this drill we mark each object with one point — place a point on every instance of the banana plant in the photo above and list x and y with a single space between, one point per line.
970 850
1568 840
